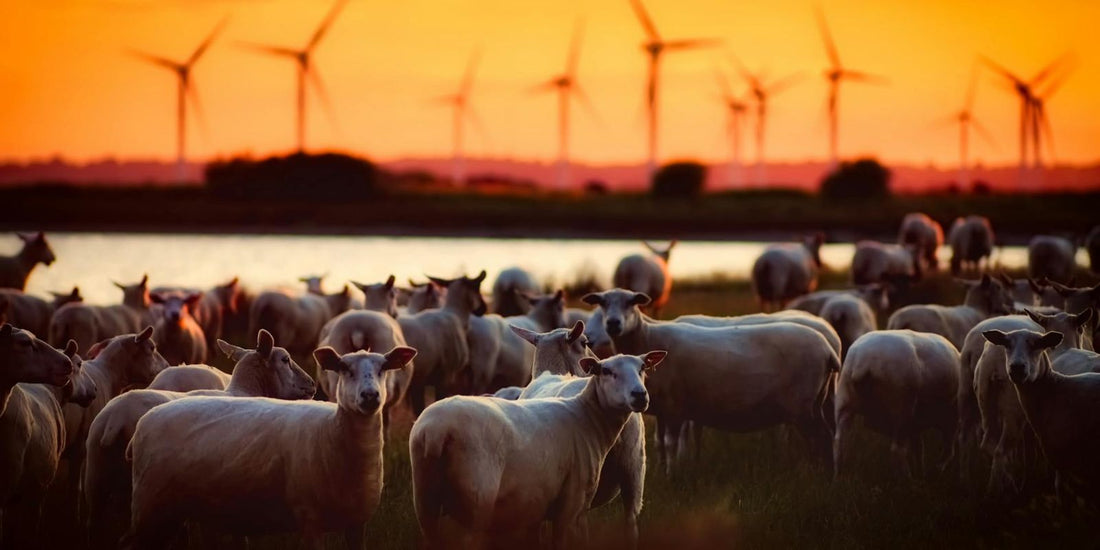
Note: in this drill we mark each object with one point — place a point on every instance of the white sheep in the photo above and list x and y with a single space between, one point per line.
296 320
35 381
924 234
984 298
971 239
508 290
808 320
598 340
178 336
88 324
1077 300
440 337
503 467
380 297
741 378
851 317
499 358
880 263
557 359
1061 409
327 475
267 371
647 274
875 295
423 296
184 378
785 271
211 311
32 313
14 270
902 383
1052 258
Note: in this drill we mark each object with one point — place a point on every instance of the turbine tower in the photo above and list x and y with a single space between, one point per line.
185 88
462 109
306 69
735 109
654 47
835 74
761 91
965 118
567 87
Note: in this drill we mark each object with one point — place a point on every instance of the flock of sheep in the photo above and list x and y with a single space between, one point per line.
530 414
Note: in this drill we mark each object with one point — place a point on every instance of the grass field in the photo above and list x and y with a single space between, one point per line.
759 491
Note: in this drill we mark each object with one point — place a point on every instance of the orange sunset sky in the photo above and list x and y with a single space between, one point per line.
68 87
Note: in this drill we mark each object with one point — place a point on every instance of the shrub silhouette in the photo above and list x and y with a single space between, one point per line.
862 179
679 179
321 178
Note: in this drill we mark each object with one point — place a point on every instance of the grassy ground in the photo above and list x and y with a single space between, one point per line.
759 491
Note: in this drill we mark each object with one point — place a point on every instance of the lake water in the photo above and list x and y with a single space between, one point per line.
91 261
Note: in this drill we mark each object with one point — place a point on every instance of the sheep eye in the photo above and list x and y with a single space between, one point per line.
286 359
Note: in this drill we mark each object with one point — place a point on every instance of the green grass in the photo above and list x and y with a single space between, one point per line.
759 490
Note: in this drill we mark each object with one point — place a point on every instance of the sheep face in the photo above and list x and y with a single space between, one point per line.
560 350
990 295
274 366
596 335
37 249
620 380
361 386
176 306
80 389
228 295
1069 324
548 310
425 296
137 294
1025 351
138 352
26 359
875 295
380 296
61 298
464 293
620 309
1078 299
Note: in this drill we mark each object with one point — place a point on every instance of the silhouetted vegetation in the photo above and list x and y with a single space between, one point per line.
862 179
679 179
325 177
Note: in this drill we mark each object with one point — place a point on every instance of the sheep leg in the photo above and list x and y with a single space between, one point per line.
844 420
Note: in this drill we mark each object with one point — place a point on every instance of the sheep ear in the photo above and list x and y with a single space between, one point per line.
24 237
70 348
1049 340
1005 278
593 299
192 299
576 332
996 337
362 287
529 336
265 342
398 357
652 359
640 299
440 282
98 348
559 295
144 280
1084 317
1034 316
6 330
1035 286
119 285
986 280
390 281
480 277
589 365
346 291
233 352
144 335
328 359
156 298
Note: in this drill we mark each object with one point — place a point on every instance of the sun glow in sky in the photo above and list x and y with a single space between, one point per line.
68 87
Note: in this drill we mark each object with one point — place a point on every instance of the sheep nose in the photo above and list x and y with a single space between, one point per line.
368 398
614 327
1017 371
639 399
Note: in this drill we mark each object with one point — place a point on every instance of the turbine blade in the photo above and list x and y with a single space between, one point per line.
1000 70
1049 69
574 49
868 78
1045 128
322 94
200 113
830 45
984 133
785 83
647 23
586 103
270 50
971 89
325 24
471 70
724 87
748 77
692 43
476 121
548 86
1055 84
156 60
206 43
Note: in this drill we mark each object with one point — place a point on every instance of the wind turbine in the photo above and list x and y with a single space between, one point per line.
835 74
735 109
1029 123
761 91
965 119
306 69
185 87
566 86
1040 124
460 103
654 47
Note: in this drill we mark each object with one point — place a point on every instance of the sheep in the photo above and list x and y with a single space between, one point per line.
184 378
1052 258
373 328
557 356
328 475
1061 409
740 378
789 316
267 371
212 309
984 299
296 320
314 283
875 295
1074 359
1004 425
647 274
424 296
902 382
499 358
1092 246
501 468
178 336
923 234
971 239
876 262
1077 300
1028 292
440 336
14 270
851 317
598 340
785 271
88 324
508 291
574 314
380 297
35 381
33 313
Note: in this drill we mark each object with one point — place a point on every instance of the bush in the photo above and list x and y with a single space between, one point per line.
320 178
862 179
679 179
